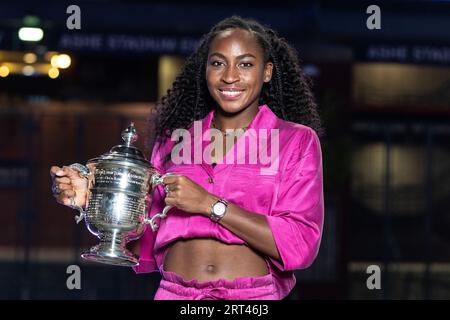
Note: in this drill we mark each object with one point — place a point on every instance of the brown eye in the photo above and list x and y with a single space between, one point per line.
216 63
246 64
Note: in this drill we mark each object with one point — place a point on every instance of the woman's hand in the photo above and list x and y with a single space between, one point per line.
187 195
68 185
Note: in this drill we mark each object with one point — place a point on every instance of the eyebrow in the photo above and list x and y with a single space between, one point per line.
245 55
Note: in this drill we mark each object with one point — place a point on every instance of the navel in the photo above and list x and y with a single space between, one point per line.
211 268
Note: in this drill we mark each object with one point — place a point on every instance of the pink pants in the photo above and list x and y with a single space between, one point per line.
174 287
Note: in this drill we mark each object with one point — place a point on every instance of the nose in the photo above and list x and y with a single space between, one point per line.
230 74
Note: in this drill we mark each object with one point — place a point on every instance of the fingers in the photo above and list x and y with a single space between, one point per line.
175 180
171 184
67 201
64 180
67 194
64 172
171 187
71 173
171 201
56 171
61 182
64 186
171 179
65 197
62 189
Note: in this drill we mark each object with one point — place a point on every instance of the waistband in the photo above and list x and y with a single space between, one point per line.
237 283
174 287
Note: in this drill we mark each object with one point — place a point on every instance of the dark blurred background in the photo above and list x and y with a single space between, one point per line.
384 96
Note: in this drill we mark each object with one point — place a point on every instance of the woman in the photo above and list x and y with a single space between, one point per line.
238 228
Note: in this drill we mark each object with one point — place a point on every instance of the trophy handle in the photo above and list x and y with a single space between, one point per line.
84 172
158 179
161 215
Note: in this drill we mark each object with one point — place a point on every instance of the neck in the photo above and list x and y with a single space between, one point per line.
237 120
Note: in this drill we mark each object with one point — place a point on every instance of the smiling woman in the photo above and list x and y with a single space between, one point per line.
236 70
236 230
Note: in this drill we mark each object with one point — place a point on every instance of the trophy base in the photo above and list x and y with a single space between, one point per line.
109 253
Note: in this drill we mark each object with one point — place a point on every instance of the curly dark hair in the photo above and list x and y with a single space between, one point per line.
288 94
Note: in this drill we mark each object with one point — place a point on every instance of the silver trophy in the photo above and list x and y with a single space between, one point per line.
119 197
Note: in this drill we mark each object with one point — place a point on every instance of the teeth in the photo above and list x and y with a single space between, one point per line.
231 93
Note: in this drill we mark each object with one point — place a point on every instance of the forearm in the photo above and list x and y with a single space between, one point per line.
250 227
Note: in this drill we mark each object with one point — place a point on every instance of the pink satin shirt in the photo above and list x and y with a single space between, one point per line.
288 191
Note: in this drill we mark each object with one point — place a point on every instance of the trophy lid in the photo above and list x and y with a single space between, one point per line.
125 152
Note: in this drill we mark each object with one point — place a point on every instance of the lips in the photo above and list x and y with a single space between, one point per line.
230 93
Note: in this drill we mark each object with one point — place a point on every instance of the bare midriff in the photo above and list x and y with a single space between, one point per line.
209 259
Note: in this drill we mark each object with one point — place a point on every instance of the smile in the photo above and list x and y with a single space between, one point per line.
231 94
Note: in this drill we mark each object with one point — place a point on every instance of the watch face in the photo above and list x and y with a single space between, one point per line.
219 208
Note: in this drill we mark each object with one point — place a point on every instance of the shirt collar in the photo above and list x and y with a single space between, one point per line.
264 119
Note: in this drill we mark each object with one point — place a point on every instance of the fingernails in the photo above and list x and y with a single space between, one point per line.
59 173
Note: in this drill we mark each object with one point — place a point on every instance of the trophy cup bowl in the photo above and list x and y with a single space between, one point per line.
118 201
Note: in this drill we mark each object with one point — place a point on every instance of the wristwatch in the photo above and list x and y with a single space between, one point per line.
218 210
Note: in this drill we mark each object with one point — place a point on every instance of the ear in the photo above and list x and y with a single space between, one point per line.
268 71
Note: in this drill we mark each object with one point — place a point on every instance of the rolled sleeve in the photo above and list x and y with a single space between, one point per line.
147 261
296 220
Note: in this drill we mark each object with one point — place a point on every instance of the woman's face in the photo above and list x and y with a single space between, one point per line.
235 70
